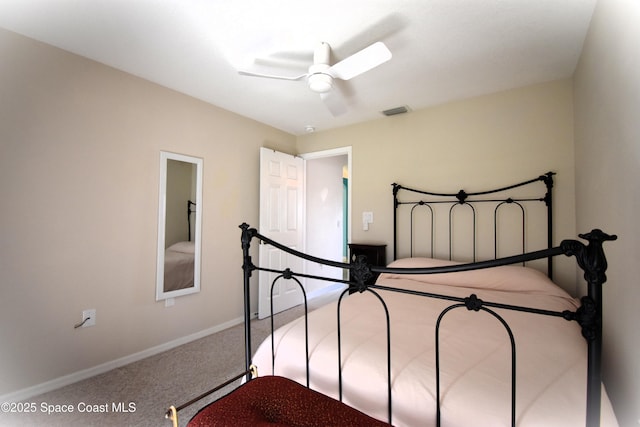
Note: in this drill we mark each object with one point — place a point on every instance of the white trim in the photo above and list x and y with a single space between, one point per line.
56 383
165 156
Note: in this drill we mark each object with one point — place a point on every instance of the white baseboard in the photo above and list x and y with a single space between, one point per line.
56 383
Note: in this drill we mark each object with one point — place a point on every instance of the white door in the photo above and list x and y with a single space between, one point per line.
281 219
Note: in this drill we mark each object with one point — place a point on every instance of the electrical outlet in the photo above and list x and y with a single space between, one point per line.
88 317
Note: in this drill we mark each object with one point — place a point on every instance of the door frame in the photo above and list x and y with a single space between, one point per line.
340 151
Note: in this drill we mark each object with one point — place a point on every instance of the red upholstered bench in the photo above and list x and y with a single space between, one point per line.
278 401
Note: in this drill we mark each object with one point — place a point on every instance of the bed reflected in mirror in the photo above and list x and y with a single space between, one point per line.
179 225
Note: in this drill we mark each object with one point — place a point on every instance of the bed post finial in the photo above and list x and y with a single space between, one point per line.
361 272
396 188
547 178
245 239
590 257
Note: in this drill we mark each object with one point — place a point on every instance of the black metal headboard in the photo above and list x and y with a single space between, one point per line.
404 199
189 212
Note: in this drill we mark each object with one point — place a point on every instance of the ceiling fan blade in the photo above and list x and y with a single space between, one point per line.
334 103
361 62
269 76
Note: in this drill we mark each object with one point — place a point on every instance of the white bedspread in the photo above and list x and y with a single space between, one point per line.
179 260
475 352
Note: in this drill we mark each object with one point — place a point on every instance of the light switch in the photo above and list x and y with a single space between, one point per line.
367 218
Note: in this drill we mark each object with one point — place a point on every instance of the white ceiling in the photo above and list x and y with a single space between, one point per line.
442 50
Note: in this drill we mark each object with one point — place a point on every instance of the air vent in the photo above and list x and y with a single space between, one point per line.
394 111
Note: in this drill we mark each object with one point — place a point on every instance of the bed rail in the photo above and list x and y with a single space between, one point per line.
590 258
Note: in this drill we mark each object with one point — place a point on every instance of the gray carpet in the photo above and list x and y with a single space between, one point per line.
148 387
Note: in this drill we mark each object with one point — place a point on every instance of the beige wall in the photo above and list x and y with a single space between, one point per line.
79 169
478 143
607 119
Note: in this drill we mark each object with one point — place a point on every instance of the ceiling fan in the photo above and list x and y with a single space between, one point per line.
320 75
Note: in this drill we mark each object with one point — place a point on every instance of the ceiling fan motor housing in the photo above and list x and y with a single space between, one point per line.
319 81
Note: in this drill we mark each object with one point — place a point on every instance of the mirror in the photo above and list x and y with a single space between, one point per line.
179 225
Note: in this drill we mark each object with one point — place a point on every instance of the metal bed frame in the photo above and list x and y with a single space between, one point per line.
590 258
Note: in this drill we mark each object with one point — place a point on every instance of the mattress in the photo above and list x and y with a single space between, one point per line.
179 263
475 351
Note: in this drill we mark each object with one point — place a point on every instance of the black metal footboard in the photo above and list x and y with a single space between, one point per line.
590 258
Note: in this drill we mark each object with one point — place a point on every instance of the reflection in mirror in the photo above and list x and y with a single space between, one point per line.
179 225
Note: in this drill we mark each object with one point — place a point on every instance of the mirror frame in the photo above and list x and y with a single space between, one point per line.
165 156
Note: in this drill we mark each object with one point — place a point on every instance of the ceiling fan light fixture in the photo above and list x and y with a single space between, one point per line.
320 82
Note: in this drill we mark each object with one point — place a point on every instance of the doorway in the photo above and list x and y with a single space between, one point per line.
307 213
327 206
